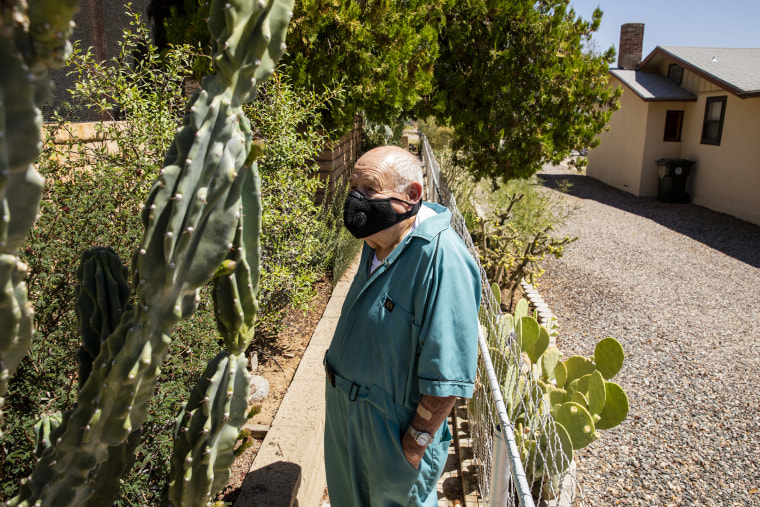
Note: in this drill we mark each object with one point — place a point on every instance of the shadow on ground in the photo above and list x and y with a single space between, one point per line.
733 237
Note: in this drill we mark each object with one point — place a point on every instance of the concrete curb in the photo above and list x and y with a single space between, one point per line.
288 468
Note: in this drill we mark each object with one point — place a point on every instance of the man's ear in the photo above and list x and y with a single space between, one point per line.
414 192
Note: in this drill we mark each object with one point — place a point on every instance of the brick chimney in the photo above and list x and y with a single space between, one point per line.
631 43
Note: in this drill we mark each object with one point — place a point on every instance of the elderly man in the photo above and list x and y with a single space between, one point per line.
406 342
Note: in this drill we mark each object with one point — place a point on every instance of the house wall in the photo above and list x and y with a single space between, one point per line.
654 146
689 80
618 159
726 178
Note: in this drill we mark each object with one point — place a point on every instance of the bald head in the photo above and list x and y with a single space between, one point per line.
401 166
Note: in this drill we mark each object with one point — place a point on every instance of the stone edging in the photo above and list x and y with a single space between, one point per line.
545 316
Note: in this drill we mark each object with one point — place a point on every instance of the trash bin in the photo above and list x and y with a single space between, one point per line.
673 173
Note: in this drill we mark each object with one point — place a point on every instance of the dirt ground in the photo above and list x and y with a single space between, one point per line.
278 361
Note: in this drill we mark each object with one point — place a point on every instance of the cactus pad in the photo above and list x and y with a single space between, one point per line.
578 423
578 366
549 361
609 357
527 331
615 407
539 347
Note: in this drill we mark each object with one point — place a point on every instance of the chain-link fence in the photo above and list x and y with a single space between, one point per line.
517 450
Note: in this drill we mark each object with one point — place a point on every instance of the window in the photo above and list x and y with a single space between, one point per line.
712 128
673 124
675 73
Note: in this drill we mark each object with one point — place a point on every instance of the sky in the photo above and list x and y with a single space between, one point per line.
701 23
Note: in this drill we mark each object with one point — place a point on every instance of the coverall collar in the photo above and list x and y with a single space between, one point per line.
427 231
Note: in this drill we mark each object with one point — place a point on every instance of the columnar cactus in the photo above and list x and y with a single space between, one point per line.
33 40
102 298
191 218
208 428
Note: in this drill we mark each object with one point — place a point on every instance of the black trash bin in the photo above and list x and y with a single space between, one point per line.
673 173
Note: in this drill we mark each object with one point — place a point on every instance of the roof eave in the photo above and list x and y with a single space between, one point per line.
691 98
668 99
696 70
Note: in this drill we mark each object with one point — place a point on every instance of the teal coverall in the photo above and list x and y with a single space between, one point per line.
408 329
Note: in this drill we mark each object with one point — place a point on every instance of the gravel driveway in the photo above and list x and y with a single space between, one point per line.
679 287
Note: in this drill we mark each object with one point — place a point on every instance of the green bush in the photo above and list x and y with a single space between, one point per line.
515 236
511 224
293 228
94 195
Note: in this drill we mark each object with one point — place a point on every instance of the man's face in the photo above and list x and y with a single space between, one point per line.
374 180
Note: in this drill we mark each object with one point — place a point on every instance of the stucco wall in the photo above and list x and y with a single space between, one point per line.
618 159
654 147
726 178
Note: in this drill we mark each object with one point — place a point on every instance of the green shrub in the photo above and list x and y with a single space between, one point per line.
293 230
510 222
515 236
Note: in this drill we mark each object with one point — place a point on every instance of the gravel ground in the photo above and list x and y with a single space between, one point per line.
679 287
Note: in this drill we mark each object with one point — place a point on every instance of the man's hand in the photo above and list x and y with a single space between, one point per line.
412 450
431 413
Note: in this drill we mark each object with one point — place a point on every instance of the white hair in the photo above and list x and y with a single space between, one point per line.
407 168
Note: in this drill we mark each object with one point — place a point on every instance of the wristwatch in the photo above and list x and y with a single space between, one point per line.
422 438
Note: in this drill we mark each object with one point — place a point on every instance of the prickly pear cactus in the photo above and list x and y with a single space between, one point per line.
557 406
191 219
33 40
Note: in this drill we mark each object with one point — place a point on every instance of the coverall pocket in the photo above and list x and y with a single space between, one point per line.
400 346
399 475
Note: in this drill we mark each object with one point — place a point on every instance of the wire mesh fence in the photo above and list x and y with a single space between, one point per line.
520 455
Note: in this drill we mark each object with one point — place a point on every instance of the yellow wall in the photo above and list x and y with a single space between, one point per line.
654 147
618 158
726 178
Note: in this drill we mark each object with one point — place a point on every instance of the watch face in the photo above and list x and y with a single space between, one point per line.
421 437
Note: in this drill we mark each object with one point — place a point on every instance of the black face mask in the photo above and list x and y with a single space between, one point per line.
364 216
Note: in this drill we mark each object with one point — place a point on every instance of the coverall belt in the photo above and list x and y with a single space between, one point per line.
351 389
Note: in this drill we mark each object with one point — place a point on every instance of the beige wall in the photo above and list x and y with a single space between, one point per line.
654 147
618 159
726 178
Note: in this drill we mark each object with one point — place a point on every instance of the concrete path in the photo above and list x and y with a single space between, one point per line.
679 286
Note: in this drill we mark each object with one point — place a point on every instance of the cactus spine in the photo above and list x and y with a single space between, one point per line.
190 220
33 40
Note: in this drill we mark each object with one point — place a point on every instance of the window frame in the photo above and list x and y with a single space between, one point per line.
711 100
677 138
